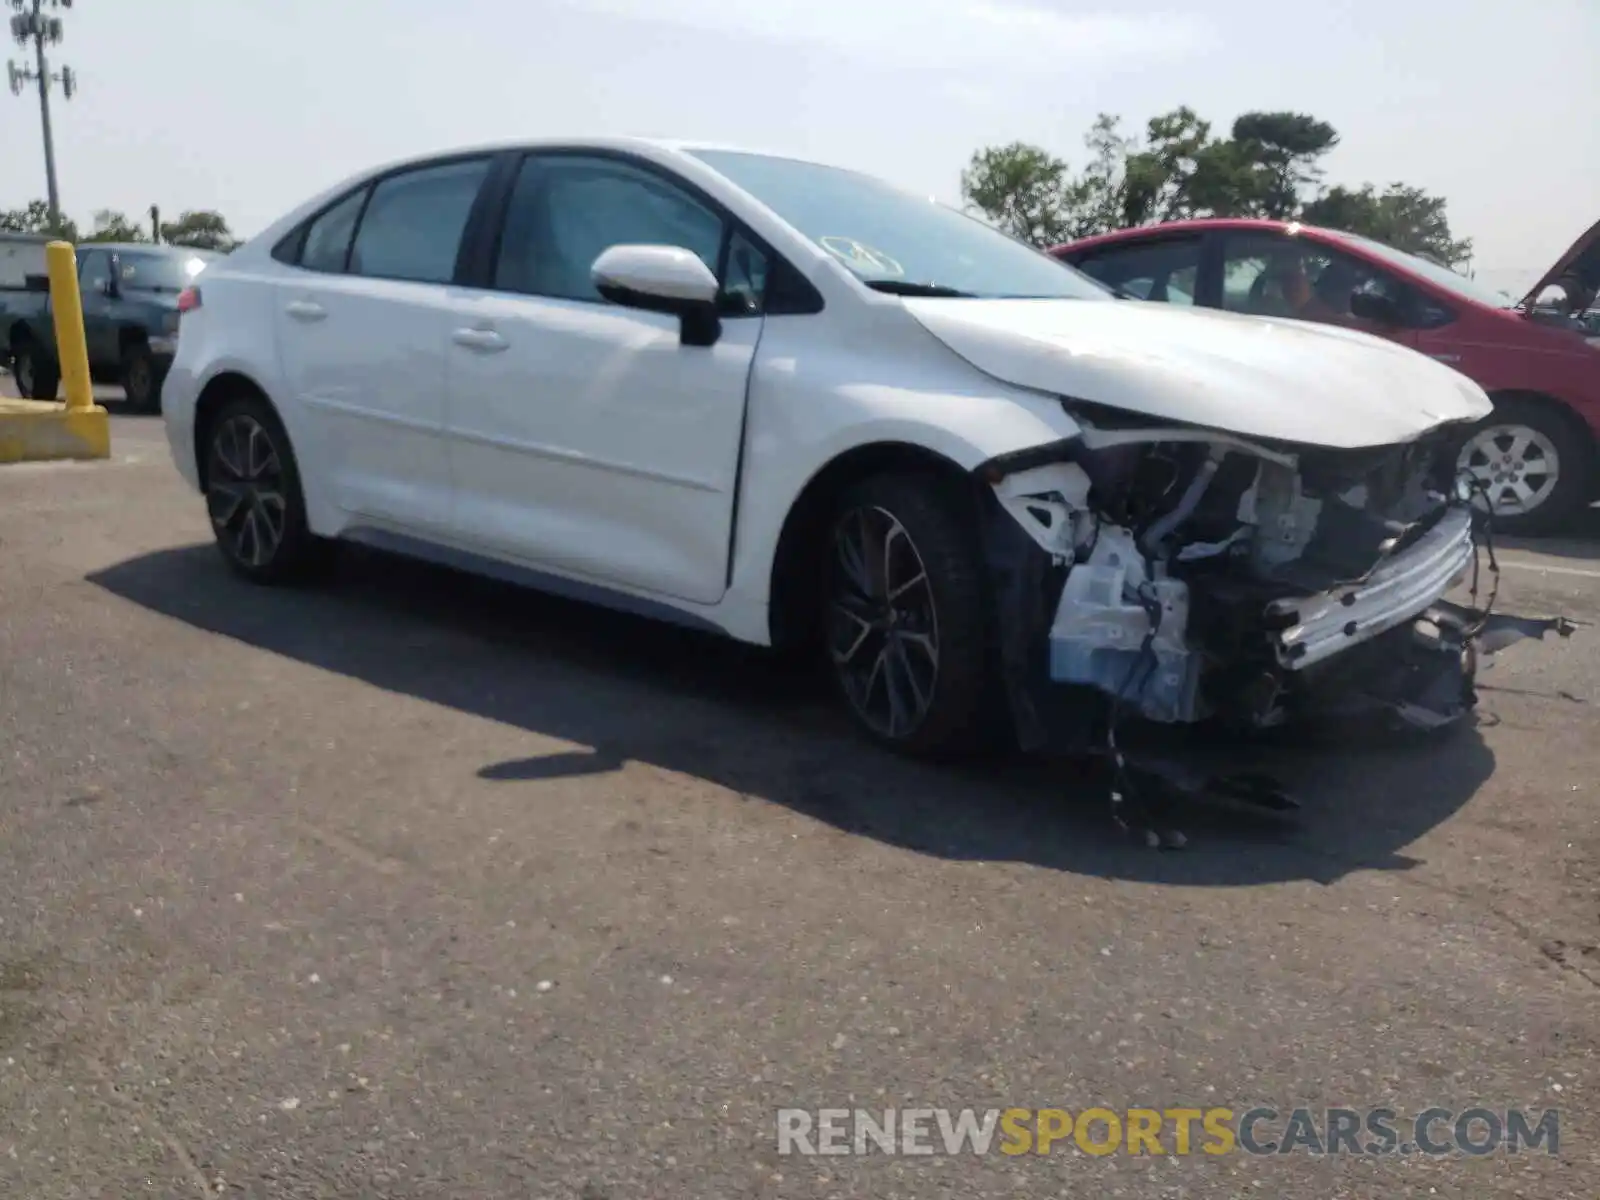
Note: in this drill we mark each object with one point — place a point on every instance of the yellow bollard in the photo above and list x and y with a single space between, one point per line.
39 431
66 305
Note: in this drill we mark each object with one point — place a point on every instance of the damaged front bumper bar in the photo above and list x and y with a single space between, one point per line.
1397 591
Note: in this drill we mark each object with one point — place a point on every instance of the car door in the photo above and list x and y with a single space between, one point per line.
363 319
585 437
95 271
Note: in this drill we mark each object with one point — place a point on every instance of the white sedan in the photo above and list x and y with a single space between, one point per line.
798 406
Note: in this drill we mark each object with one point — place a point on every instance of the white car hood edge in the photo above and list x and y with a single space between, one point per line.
1257 377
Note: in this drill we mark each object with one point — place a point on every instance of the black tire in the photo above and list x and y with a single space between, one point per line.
37 375
1574 449
957 717
141 379
254 497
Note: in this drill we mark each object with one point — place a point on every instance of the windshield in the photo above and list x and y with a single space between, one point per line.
896 241
1443 277
162 272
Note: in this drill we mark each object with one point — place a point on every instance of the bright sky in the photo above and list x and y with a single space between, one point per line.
250 106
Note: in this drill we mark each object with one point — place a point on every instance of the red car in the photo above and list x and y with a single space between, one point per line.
1536 456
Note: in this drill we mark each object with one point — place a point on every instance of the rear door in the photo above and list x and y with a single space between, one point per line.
363 321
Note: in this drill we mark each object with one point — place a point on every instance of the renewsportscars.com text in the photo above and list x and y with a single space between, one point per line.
1257 1130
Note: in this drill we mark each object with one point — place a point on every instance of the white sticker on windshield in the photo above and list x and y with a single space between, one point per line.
862 258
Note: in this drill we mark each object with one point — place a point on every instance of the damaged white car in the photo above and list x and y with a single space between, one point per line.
801 407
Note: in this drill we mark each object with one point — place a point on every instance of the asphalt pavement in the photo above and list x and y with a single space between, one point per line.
414 886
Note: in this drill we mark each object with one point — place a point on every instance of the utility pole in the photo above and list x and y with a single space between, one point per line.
31 25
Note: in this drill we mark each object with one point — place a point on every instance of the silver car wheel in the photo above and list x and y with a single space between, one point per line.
1515 466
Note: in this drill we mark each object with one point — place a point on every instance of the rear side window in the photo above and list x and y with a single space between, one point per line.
412 227
328 237
1167 271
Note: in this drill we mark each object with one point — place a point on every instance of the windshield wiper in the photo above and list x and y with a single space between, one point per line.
901 287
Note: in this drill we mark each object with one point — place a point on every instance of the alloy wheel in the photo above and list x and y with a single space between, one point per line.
883 625
1515 466
22 367
244 491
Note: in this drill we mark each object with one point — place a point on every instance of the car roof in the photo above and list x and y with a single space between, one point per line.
616 143
1193 225
142 248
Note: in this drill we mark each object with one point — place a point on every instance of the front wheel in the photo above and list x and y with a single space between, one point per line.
1532 463
141 379
37 376
254 497
906 619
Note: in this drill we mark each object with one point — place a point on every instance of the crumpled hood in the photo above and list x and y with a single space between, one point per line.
1252 376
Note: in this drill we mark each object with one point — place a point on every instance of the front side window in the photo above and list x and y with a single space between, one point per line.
1279 276
1167 272
412 227
1440 276
567 210
896 241
328 237
94 272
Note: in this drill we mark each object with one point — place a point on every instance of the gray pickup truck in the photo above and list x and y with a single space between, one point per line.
130 319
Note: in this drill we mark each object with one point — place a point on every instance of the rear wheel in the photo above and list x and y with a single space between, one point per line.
905 619
254 497
1533 464
36 373
141 380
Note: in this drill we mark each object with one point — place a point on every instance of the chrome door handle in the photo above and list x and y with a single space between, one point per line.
305 310
485 341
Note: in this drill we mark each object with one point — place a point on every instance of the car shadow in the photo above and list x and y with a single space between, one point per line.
1578 538
630 689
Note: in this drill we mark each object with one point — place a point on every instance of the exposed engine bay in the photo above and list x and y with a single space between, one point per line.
1187 575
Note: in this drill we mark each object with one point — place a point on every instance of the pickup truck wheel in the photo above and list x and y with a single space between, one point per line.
37 376
1533 463
905 620
141 382
253 496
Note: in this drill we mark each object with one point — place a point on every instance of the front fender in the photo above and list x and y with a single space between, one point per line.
799 424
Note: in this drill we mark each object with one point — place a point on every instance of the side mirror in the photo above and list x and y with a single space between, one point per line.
1370 306
664 279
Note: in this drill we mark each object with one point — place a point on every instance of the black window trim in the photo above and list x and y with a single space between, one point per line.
480 241
804 299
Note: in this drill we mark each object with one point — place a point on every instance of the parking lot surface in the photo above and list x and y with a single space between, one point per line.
414 886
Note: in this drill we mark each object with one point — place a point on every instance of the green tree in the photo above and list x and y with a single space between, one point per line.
35 218
201 230
112 226
1179 169
1285 150
1174 151
1404 217
1022 189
